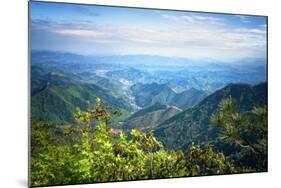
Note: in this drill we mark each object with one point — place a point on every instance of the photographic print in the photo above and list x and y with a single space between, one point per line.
126 93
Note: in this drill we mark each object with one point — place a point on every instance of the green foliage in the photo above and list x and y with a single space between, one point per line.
48 155
229 121
85 154
207 162
247 131
167 164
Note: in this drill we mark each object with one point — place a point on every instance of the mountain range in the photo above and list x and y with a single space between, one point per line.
174 97
193 124
149 94
55 96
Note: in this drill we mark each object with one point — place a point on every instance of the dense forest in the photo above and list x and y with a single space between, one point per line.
90 151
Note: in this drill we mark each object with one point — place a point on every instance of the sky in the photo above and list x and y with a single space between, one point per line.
101 30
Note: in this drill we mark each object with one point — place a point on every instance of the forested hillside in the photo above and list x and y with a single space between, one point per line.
149 94
96 120
56 95
149 118
84 154
193 125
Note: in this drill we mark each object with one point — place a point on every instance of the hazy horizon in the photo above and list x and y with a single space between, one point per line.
237 61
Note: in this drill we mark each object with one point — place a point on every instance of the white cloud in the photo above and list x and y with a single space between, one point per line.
194 19
196 39
251 31
244 19
200 43
78 32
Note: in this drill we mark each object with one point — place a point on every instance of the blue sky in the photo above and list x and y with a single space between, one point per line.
99 30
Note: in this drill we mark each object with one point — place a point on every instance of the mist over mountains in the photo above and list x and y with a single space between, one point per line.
173 97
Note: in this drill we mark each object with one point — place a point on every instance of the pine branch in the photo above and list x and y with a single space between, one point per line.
245 146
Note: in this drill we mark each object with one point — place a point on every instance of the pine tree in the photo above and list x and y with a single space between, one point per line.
247 131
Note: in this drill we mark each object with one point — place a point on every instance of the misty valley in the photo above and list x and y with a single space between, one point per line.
138 85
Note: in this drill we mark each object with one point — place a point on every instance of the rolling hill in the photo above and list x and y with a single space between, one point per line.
56 95
149 94
147 119
193 125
